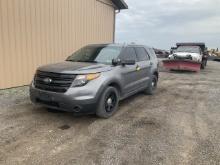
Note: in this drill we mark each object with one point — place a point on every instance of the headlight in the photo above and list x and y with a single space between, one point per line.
82 80
33 80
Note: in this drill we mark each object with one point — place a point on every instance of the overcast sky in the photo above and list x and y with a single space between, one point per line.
162 23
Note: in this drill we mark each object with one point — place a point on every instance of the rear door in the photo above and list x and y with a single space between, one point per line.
144 66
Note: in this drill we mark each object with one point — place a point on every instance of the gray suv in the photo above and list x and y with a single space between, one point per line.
95 78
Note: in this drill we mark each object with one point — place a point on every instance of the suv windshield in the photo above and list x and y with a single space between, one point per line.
96 54
190 49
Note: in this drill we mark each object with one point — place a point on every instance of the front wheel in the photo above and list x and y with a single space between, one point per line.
108 103
152 86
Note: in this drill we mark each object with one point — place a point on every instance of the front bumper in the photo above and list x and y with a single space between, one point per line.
63 101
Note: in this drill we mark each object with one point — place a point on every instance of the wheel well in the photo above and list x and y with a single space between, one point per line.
115 85
156 74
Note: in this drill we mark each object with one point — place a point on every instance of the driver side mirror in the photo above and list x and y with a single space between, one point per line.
116 62
128 62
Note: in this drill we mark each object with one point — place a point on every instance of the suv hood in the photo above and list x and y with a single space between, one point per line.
68 67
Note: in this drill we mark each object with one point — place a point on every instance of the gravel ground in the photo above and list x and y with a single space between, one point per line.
178 125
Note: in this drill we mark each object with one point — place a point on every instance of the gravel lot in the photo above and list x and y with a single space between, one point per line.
179 125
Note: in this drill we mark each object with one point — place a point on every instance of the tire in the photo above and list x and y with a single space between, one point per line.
203 64
108 103
152 85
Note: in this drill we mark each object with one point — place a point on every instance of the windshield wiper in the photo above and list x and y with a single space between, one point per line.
82 61
70 60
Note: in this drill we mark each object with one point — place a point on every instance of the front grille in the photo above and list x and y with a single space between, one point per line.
54 82
182 58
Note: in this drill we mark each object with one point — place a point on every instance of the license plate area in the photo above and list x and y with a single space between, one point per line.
44 96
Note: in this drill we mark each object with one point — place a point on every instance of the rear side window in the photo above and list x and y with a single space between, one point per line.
129 54
142 54
152 53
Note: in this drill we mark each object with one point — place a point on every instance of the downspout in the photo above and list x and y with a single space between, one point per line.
116 12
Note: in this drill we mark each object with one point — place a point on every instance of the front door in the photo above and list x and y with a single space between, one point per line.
130 76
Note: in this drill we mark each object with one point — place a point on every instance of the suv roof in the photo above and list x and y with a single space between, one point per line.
120 45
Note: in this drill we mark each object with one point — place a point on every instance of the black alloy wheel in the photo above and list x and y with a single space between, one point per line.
110 102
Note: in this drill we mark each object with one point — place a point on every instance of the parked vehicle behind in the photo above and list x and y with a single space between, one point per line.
161 53
188 57
95 78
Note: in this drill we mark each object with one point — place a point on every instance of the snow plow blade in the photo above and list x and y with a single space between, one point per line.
182 65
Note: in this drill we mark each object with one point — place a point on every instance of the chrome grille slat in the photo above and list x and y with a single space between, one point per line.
60 82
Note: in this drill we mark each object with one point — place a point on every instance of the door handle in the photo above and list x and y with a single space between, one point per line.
138 68
151 63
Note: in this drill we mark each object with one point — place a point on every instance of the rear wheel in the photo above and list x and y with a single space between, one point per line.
152 86
108 104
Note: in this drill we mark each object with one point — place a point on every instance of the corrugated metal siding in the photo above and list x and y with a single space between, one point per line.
38 32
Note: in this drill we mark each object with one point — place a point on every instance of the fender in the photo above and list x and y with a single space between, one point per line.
108 83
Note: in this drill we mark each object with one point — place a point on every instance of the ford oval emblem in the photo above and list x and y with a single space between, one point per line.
48 80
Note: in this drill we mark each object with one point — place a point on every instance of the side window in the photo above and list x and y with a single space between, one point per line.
142 54
152 53
129 54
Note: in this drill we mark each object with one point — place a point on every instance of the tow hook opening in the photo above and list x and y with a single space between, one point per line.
77 109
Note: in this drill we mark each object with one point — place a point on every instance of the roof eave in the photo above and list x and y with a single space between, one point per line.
120 4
